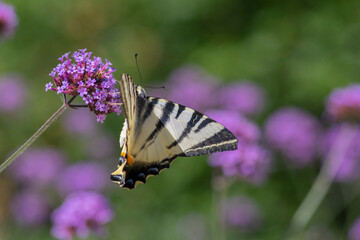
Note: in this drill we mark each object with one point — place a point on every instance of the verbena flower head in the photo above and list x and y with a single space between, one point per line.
8 20
354 232
245 97
38 167
250 161
192 87
12 93
241 213
295 133
335 138
29 208
82 176
80 214
344 103
89 78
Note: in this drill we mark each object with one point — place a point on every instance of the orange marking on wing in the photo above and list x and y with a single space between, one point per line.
129 159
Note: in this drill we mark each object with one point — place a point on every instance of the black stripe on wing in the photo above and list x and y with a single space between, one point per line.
195 118
149 108
221 141
165 117
180 110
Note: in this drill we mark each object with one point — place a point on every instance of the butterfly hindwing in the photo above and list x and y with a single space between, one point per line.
160 130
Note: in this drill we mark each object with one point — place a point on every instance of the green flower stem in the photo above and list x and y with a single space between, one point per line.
30 141
323 181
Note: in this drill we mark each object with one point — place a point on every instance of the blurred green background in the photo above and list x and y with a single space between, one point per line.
298 51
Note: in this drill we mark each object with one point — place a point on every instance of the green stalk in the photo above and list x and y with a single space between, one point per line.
323 181
31 140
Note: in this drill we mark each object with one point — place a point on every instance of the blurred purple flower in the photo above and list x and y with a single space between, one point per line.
193 87
82 176
38 167
12 93
100 146
80 214
80 121
344 103
242 128
250 161
295 133
8 20
89 78
354 232
335 138
242 213
245 97
30 208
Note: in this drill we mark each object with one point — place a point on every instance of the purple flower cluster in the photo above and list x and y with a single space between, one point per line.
89 78
80 214
245 97
8 20
12 93
242 213
250 161
82 176
340 144
295 133
344 103
192 87
38 167
30 208
38 171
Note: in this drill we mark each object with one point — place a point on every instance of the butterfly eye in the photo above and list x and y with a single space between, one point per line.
121 160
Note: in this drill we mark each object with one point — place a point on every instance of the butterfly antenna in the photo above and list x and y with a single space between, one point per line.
137 66
160 87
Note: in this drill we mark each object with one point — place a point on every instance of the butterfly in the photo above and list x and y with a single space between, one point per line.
156 131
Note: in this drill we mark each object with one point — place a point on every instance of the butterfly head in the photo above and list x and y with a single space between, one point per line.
119 175
140 91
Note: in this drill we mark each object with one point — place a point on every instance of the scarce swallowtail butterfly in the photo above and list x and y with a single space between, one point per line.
156 131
